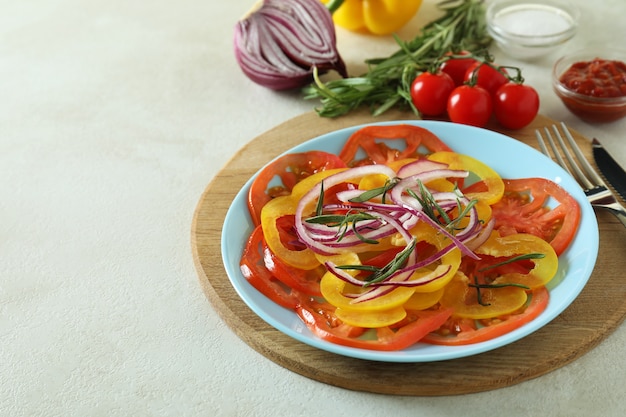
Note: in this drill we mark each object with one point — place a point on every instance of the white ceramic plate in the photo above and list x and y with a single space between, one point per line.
511 159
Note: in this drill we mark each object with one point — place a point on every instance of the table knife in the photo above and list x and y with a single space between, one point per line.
610 169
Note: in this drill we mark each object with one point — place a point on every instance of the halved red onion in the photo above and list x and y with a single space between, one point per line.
279 42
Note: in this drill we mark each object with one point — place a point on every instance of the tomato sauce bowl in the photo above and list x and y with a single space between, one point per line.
591 83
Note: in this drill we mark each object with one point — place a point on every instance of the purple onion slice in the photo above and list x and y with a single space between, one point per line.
279 42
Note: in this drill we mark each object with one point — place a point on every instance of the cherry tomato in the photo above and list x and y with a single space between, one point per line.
429 93
457 67
470 105
515 105
487 76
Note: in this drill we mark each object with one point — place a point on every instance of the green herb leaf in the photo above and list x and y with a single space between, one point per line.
534 255
387 82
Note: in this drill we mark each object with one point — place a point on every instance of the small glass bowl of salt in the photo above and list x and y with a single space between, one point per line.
528 29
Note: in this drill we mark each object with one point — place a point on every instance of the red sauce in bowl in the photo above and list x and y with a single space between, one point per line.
595 90
596 78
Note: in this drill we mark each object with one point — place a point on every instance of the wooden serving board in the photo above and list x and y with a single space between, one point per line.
599 309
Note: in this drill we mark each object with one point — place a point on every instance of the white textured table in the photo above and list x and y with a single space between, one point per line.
114 117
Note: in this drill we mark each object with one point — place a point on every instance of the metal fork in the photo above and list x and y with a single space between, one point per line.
598 194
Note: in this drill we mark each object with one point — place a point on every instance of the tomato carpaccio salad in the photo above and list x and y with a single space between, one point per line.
381 247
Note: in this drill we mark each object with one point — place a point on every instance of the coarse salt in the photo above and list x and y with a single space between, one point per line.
533 20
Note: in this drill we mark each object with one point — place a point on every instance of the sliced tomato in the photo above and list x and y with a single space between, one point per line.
377 144
279 177
253 268
517 245
305 281
321 320
462 331
524 209
490 180
493 302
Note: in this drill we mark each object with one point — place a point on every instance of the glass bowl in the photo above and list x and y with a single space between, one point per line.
530 29
590 102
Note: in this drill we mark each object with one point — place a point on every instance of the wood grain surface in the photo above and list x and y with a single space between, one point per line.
599 309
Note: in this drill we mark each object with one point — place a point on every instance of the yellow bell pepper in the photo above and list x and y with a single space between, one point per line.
380 17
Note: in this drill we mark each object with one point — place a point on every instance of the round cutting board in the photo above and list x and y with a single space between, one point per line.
599 309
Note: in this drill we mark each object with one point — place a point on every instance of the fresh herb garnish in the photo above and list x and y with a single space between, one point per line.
437 213
345 222
320 202
388 80
375 192
381 274
526 256
507 284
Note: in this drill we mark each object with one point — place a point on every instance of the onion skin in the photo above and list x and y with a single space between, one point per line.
279 43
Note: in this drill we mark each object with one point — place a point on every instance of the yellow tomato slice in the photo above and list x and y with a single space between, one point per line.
452 259
495 301
491 179
370 182
284 206
371 319
335 289
423 300
544 269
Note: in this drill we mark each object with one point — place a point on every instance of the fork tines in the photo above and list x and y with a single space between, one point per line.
591 179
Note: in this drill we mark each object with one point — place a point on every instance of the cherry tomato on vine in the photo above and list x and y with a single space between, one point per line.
515 105
429 93
470 105
457 67
487 76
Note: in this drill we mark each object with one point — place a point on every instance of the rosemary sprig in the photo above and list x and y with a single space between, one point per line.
387 82
533 255
479 298
375 192
320 201
434 210
344 222
381 274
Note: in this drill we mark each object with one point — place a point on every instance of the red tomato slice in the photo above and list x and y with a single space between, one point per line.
523 209
320 319
290 169
255 272
377 144
305 281
464 332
